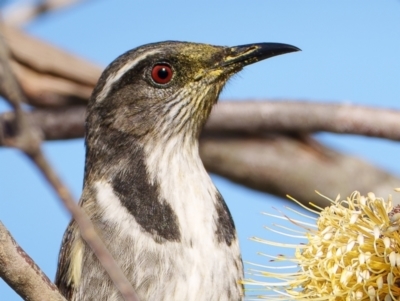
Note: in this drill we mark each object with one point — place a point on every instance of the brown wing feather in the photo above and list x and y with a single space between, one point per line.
63 277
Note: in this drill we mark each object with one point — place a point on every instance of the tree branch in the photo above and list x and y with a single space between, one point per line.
54 124
23 13
248 159
55 79
252 117
297 166
28 140
21 273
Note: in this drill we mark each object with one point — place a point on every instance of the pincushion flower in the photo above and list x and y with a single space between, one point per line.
351 253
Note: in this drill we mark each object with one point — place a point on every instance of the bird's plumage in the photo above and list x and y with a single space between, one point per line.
146 189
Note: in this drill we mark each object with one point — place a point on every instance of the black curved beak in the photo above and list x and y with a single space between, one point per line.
251 53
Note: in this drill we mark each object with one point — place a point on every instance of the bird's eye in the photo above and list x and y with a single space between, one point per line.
161 73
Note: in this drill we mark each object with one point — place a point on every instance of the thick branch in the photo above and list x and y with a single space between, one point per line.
49 90
54 124
48 59
282 165
21 273
246 118
296 116
50 77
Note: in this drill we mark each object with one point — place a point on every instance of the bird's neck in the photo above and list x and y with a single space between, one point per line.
162 183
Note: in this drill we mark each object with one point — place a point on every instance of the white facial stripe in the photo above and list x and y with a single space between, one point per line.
116 77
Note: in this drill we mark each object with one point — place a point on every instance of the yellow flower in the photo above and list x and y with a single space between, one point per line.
353 253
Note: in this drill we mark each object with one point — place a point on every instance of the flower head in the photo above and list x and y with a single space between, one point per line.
353 253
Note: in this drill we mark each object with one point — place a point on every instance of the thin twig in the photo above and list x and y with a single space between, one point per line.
87 229
24 12
28 140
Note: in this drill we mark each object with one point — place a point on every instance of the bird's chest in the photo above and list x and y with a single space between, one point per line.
167 226
194 265
170 230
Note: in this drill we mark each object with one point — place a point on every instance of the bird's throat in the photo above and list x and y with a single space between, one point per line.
184 184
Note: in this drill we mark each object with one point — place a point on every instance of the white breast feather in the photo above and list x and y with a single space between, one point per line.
199 261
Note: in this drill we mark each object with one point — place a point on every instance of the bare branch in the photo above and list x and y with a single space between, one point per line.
252 118
49 59
296 166
20 136
25 12
49 76
46 90
53 124
26 138
21 273
249 159
303 117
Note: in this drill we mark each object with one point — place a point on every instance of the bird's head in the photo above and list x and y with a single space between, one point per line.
161 89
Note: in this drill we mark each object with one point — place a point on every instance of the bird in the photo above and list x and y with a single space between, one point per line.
145 187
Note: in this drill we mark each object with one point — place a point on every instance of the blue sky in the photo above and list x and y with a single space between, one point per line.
350 54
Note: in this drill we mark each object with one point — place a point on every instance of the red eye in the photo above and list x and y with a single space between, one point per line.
161 73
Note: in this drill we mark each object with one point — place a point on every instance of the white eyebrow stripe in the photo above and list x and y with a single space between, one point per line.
116 77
